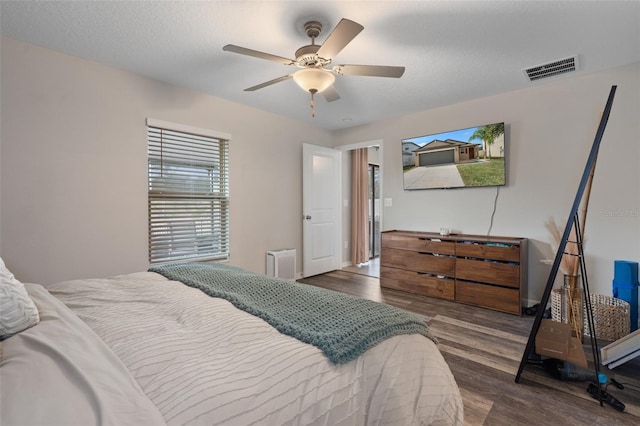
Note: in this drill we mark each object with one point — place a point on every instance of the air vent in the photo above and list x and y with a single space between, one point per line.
560 66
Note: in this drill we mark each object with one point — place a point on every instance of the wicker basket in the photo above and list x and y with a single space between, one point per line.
611 316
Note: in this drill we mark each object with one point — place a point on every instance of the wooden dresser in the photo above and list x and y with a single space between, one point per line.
489 272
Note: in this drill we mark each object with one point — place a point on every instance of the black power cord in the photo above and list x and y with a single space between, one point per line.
615 383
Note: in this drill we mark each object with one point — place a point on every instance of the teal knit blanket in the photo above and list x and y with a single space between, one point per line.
342 326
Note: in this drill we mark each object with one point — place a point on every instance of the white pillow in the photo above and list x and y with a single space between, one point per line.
17 310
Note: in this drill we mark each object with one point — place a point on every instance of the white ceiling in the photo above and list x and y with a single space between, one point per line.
452 50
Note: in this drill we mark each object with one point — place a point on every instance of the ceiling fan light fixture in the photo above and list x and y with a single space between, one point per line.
313 80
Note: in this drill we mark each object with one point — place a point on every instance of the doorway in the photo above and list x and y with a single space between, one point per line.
375 180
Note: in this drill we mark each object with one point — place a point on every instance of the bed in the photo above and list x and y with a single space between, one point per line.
145 349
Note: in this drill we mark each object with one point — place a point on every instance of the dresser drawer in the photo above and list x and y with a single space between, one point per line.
418 262
484 251
422 244
488 296
415 282
488 272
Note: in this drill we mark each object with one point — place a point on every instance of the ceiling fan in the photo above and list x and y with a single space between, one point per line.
314 76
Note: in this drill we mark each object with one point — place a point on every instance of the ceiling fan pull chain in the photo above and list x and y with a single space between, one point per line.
313 109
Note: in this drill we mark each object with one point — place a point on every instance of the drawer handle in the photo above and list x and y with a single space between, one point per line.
427 274
425 253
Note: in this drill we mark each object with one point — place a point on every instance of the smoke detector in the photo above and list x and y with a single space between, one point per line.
553 68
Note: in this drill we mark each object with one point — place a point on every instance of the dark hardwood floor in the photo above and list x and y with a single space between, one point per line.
483 349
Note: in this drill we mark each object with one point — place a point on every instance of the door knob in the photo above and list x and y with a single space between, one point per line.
306 217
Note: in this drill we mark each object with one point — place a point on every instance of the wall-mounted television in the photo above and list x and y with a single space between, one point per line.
464 158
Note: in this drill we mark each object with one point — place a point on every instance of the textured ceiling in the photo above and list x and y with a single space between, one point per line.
452 50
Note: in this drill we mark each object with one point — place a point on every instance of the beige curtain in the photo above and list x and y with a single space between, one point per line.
359 206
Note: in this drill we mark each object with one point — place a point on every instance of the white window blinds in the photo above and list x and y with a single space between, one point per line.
188 177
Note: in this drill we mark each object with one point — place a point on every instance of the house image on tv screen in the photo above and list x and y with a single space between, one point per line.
459 158
408 153
443 152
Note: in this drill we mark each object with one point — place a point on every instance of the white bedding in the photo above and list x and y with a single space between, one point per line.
202 361
59 372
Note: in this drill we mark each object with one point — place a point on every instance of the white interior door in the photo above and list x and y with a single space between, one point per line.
322 218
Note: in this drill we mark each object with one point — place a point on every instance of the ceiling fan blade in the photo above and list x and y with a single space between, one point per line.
257 54
269 83
330 94
342 34
369 70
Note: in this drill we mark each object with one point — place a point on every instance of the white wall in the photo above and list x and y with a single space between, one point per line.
346 208
550 130
74 195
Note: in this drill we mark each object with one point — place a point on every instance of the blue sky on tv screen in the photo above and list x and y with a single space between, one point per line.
461 135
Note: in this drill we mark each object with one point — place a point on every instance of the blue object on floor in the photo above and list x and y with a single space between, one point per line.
602 378
625 286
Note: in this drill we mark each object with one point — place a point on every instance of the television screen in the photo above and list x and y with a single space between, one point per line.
464 158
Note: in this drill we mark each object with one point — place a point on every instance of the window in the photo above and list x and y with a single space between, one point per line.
188 177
